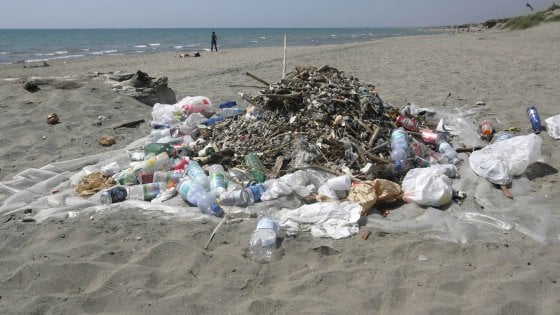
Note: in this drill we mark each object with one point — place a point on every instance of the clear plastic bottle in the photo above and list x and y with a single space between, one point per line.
232 111
145 192
263 246
197 174
205 201
183 188
191 123
399 148
446 149
217 179
239 198
255 192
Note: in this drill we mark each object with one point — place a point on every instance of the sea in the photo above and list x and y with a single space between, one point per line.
29 45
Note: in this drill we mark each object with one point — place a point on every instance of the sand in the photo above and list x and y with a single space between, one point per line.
124 262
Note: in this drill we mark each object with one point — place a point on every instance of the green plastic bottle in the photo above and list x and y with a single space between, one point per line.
256 168
157 148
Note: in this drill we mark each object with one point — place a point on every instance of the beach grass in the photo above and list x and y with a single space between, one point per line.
527 21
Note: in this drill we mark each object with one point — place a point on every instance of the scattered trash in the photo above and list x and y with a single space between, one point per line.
107 141
553 126
534 119
94 182
52 119
427 186
500 161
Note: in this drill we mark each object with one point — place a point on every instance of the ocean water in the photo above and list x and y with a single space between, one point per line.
21 45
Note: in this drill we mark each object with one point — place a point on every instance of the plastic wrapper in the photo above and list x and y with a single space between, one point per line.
501 161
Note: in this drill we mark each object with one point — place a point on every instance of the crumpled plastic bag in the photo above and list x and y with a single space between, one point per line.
427 186
167 114
94 182
370 192
500 161
324 219
553 126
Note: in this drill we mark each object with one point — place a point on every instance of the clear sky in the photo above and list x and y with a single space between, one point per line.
255 13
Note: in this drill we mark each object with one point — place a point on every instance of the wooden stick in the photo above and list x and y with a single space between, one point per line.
284 62
214 232
277 166
506 191
257 78
132 124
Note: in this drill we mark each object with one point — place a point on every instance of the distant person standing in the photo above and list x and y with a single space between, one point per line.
214 42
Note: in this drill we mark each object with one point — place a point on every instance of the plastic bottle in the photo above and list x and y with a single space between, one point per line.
162 135
169 176
256 168
204 200
190 124
213 120
144 170
534 119
197 174
183 188
157 148
232 111
399 147
255 192
126 177
217 179
228 104
208 150
239 198
113 195
446 149
486 130
146 192
407 123
263 244
502 135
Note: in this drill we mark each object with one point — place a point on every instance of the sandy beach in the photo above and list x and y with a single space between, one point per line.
129 261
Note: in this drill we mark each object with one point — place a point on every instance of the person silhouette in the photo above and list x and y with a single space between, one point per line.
214 42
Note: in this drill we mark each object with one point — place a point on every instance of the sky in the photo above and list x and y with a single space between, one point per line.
255 13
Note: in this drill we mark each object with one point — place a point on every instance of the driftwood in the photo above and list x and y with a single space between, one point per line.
131 124
257 78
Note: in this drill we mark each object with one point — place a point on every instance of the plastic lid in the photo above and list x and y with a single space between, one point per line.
216 210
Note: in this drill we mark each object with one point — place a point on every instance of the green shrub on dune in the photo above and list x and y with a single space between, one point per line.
524 22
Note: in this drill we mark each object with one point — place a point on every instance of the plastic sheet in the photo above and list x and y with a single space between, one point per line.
486 214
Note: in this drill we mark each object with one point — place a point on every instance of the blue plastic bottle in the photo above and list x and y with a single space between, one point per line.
534 118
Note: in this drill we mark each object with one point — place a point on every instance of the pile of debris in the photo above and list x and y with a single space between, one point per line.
315 117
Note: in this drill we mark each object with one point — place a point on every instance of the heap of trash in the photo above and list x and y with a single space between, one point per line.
316 151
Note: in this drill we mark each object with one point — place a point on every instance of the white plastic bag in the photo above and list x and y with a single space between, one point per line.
500 161
553 126
427 186
166 114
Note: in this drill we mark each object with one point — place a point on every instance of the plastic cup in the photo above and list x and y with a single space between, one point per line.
339 183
